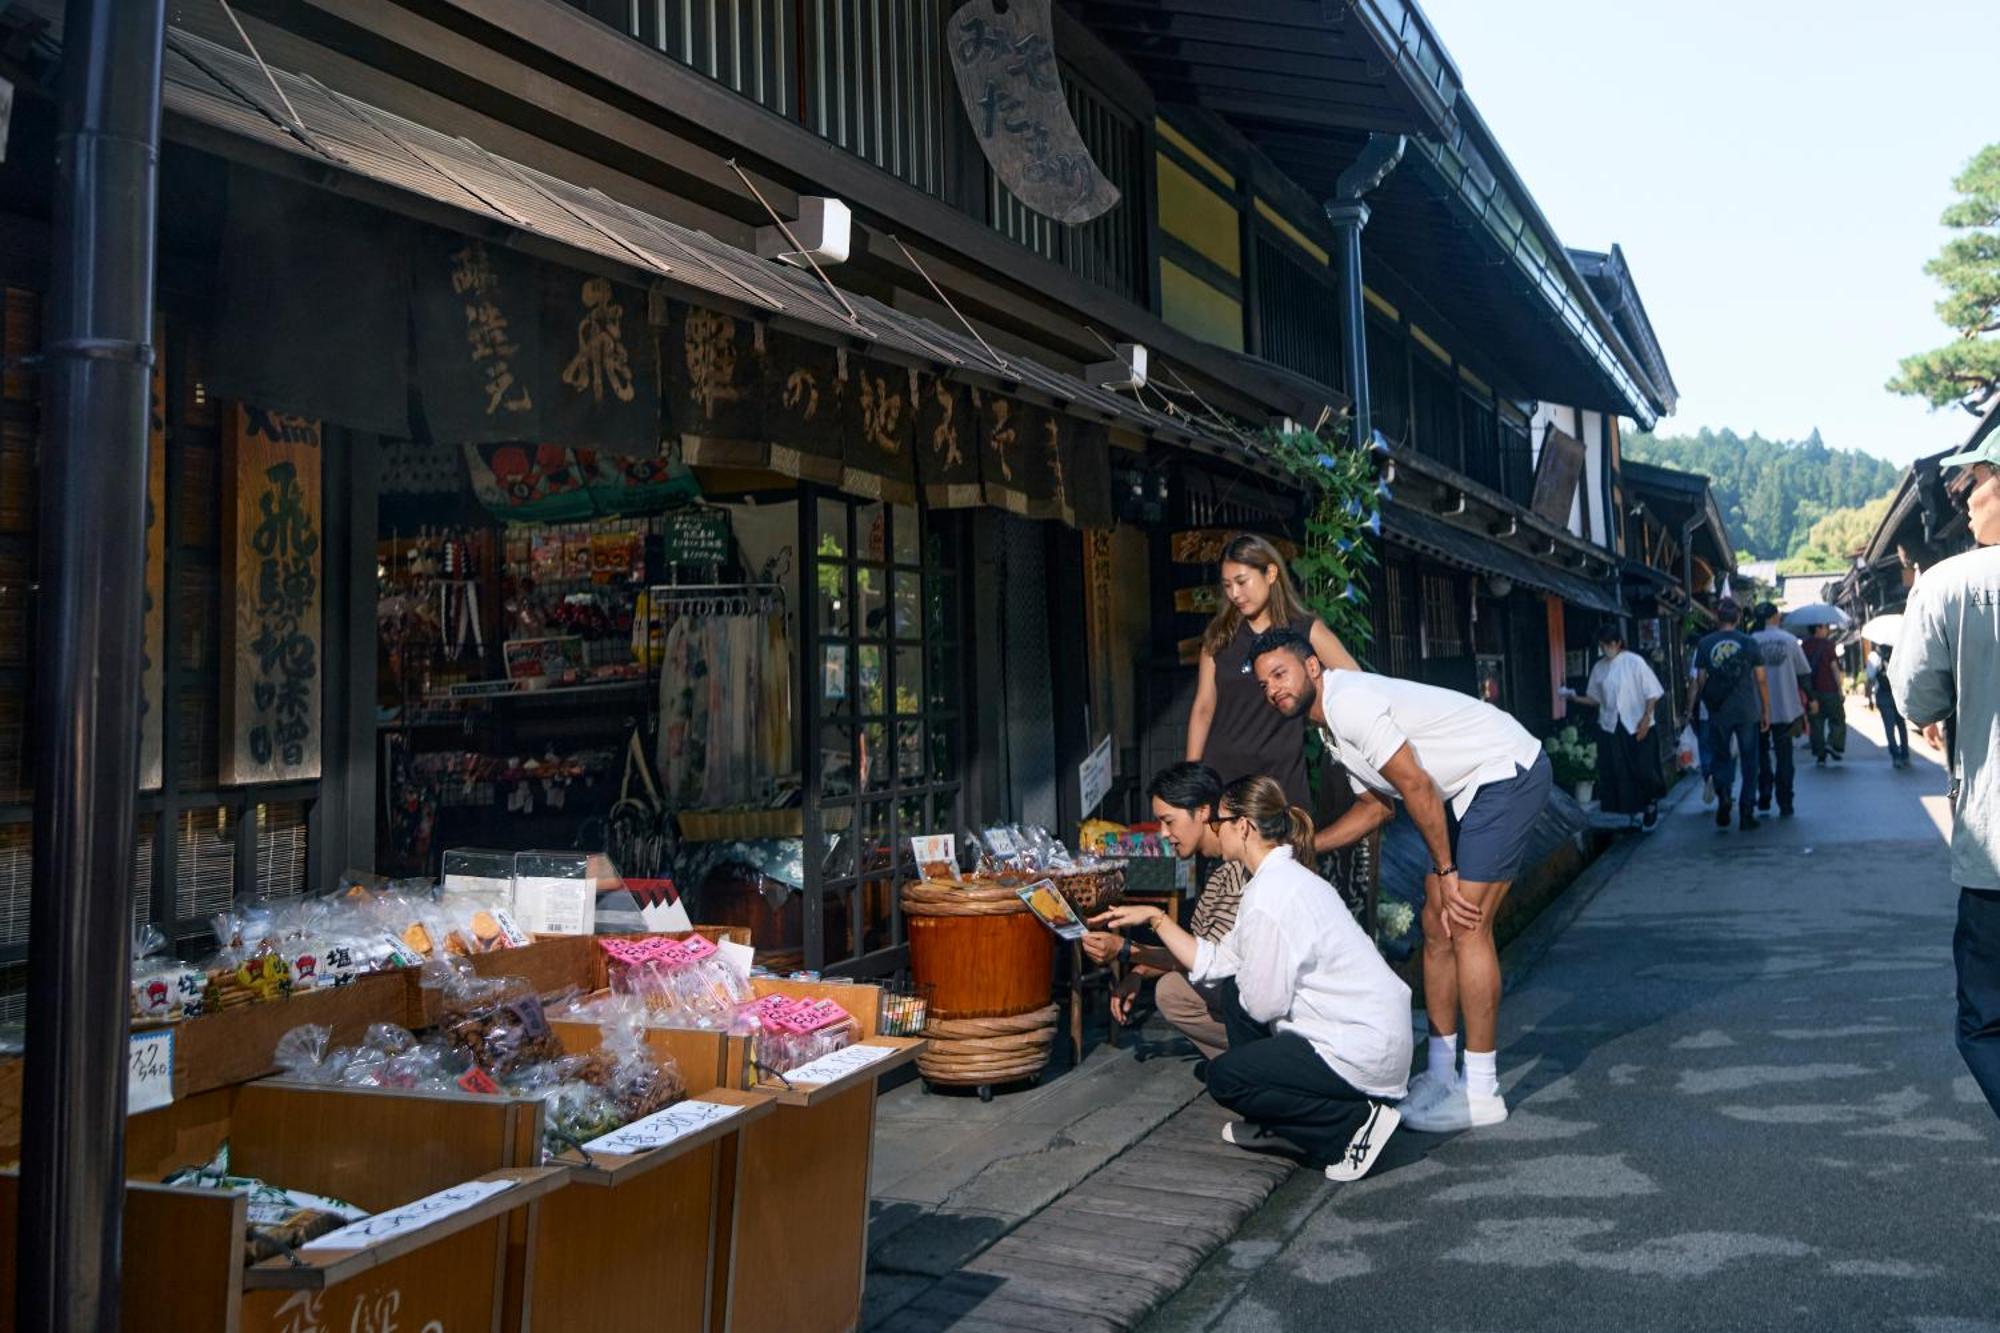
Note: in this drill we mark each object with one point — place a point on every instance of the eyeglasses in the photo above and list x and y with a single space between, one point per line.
1225 819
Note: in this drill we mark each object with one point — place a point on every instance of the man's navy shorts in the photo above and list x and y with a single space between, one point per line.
1493 837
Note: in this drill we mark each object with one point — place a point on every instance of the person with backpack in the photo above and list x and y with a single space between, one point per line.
1729 678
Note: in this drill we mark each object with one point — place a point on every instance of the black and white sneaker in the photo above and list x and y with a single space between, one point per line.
1254 1138
1367 1143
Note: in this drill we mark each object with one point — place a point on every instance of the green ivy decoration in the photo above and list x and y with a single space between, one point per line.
1347 491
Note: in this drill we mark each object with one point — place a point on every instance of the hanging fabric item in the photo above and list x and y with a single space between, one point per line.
725 734
947 444
314 306
877 413
715 378
600 372
528 483
802 407
1087 474
475 309
1014 455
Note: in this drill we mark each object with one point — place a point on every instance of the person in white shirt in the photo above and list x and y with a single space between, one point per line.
1624 692
1319 1026
1474 782
1945 676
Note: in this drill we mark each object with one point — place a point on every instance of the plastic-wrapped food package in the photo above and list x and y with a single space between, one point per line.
790 1032
163 987
499 1021
279 1220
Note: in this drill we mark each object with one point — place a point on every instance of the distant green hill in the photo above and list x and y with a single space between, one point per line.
1771 492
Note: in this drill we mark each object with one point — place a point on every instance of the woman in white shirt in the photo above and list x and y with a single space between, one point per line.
1319 1027
1624 691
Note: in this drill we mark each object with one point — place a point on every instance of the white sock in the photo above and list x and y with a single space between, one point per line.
1482 1073
1444 1057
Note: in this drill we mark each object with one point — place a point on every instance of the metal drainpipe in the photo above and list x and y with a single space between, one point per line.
1687 555
1349 215
97 363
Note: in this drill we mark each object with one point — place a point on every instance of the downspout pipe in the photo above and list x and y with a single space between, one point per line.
97 362
1349 214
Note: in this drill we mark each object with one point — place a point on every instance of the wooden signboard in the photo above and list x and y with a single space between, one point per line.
273 598
153 629
1004 54
1556 476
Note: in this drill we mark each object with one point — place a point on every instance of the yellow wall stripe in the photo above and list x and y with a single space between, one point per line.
1298 238
1186 145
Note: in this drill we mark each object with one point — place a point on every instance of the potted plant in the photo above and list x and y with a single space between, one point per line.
1574 760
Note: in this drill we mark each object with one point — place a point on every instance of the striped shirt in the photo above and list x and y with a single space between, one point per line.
1215 914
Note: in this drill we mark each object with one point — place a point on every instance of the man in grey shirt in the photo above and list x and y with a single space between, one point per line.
1946 667
1785 673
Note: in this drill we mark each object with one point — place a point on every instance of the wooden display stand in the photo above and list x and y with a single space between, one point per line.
183 1257
802 1186
635 1242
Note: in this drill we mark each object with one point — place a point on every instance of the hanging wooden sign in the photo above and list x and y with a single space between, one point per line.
272 598
153 626
1557 473
1004 54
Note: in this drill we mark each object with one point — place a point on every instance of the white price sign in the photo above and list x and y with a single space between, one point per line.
151 1081
408 1218
829 1068
1093 777
663 1127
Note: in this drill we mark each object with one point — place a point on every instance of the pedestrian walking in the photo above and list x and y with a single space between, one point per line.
1786 673
1623 691
1704 741
1229 726
1473 782
1871 670
1187 802
1319 1026
1894 728
1729 678
1946 670
1828 708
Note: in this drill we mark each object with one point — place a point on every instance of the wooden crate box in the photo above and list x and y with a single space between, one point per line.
184 1270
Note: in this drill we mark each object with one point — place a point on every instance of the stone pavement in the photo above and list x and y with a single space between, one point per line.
1736 1106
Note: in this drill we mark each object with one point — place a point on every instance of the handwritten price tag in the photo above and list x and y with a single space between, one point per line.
151 1082
829 1068
411 1216
662 1127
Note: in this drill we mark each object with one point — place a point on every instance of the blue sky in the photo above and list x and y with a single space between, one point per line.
1774 170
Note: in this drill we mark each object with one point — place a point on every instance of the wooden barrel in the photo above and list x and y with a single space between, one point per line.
979 949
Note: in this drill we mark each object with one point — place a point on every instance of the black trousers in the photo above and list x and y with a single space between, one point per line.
1777 763
1280 1084
1975 948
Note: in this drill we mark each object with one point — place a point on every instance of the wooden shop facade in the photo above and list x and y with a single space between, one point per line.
503 495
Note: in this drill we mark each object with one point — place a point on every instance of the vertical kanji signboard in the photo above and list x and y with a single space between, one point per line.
272 598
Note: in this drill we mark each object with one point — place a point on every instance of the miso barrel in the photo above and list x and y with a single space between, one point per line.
979 949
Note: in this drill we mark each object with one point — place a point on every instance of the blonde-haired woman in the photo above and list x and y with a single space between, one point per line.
1319 1027
1230 727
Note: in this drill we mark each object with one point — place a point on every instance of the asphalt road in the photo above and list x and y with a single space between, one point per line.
1736 1106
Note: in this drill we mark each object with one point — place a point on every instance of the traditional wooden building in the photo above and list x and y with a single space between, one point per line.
935 342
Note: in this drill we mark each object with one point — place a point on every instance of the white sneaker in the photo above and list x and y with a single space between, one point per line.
1460 1111
1426 1088
1367 1143
1252 1138
1708 791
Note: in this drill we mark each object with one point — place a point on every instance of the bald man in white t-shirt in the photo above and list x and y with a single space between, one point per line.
1474 782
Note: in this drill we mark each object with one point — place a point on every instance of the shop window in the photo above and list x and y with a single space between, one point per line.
888 717
1444 621
1400 621
281 850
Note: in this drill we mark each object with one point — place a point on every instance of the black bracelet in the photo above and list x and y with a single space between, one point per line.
1442 871
1125 953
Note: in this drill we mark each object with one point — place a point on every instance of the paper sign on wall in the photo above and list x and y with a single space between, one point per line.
151 1082
829 1068
1093 776
663 1127
410 1217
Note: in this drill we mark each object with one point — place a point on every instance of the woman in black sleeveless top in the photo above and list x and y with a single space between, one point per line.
1231 728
